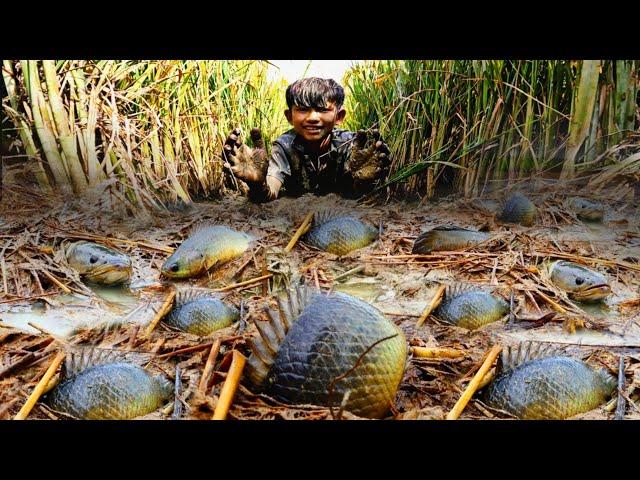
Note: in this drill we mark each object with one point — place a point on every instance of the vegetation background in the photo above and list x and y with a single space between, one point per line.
150 132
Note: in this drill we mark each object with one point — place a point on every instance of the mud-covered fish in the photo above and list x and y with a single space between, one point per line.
114 390
200 313
447 239
538 385
581 283
469 307
205 248
586 209
313 346
517 208
99 264
340 234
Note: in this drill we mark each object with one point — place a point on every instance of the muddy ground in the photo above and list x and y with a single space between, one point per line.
44 305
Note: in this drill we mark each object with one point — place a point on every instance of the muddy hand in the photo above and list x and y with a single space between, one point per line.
369 156
248 164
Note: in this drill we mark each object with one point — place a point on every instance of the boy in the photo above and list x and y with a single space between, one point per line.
313 156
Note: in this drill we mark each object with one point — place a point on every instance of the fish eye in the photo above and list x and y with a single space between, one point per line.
174 267
93 259
579 281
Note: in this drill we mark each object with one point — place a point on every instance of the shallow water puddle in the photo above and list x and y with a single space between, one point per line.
581 337
77 312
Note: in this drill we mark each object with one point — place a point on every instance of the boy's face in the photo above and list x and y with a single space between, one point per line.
315 124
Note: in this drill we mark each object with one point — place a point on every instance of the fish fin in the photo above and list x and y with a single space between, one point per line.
456 289
449 228
273 332
325 215
190 294
79 358
513 356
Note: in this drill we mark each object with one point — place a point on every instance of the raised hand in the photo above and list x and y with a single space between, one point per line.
248 164
369 156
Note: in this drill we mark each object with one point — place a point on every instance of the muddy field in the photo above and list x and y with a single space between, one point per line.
44 306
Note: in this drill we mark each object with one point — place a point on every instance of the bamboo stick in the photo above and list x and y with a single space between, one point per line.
39 388
301 230
230 386
166 306
242 284
348 273
436 352
206 373
554 305
435 301
462 402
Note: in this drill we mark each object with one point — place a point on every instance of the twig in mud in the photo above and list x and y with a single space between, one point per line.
622 404
177 404
230 386
49 275
345 399
166 306
348 273
23 361
243 284
462 402
435 301
512 315
40 387
208 367
333 383
436 352
301 230
554 305
90 236
602 261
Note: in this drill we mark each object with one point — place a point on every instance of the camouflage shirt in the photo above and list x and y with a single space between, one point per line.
301 172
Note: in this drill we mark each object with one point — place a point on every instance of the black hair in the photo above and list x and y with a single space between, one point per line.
314 92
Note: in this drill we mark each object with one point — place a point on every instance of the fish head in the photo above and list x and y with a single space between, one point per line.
582 284
99 264
586 210
184 263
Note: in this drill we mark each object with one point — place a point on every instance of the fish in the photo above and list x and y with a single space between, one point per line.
200 313
517 208
586 209
470 307
340 234
98 263
538 384
447 239
581 283
108 390
317 347
205 248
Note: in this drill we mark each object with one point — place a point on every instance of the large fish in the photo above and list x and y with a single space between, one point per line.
115 390
538 385
469 307
319 347
586 209
205 248
200 313
517 208
99 264
581 283
447 239
340 234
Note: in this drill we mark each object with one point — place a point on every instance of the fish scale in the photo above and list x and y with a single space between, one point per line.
201 316
110 391
518 209
341 235
471 308
549 388
324 342
447 238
